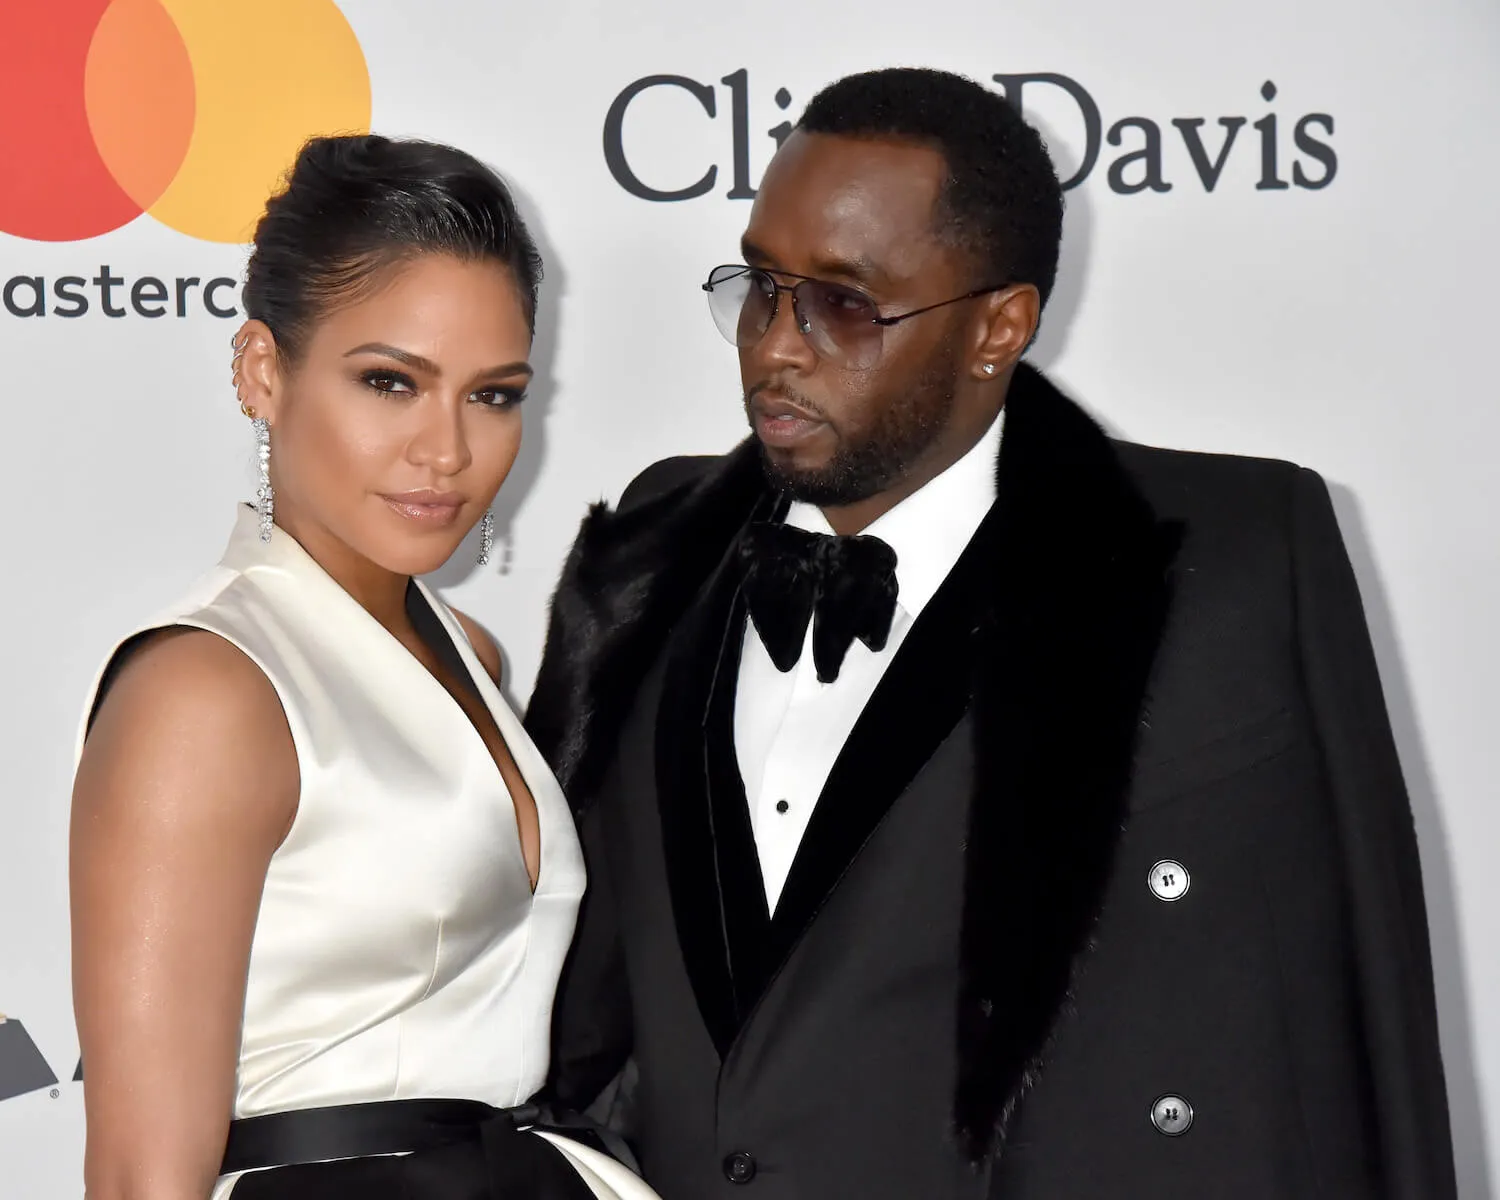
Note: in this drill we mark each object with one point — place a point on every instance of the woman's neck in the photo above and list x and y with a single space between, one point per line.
380 592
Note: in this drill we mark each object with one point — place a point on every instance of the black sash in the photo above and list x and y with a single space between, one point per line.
386 1127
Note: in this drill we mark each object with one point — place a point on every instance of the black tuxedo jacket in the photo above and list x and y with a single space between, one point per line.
1113 891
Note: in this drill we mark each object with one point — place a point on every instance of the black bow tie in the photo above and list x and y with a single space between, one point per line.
791 576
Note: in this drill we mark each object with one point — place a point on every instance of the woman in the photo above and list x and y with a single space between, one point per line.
322 882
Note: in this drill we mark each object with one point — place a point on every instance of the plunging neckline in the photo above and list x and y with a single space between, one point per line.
286 553
439 640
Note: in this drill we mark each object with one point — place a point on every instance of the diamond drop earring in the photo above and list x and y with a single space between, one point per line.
265 495
486 539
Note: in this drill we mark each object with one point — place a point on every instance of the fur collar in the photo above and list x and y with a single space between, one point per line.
629 578
1071 600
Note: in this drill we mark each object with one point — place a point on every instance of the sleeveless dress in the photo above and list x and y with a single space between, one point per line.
399 950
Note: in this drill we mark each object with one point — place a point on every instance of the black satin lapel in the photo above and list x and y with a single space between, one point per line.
437 639
742 889
920 698
713 870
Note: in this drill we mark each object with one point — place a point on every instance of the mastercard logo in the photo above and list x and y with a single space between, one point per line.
189 110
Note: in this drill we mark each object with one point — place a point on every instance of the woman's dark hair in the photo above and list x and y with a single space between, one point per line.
353 206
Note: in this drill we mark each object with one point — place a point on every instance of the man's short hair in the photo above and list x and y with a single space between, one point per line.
1002 203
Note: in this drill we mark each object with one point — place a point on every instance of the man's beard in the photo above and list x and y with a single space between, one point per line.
907 425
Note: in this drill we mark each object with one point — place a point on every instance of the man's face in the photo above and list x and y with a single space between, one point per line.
859 213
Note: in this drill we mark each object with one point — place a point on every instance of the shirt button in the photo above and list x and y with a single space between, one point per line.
782 806
1169 880
739 1167
1172 1115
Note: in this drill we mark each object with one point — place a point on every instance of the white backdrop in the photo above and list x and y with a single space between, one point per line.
1348 327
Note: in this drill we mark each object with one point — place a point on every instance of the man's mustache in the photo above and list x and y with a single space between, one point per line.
787 393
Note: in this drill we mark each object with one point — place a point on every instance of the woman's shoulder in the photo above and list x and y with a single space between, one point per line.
183 712
196 642
191 660
485 649
188 674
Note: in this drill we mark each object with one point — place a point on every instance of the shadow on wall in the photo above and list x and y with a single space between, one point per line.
539 396
1072 267
1451 982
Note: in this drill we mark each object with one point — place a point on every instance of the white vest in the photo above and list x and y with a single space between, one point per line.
399 951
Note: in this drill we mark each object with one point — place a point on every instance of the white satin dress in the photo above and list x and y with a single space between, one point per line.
399 950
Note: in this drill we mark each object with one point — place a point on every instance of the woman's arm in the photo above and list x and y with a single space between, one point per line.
187 784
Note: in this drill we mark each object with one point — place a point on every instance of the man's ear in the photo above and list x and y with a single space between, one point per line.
1008 323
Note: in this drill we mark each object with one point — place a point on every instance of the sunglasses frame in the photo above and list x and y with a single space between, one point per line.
803 325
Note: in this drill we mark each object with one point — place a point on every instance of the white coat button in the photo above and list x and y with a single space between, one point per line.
1169 880
1172 1115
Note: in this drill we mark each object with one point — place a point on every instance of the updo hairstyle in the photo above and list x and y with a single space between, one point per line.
354 206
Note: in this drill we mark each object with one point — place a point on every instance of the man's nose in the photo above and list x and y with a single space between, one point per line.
784 342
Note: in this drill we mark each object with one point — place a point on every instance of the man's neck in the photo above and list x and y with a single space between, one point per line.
849 519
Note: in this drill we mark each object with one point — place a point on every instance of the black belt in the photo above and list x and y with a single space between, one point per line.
310 1135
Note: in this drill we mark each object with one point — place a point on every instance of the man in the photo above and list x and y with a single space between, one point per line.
1063 852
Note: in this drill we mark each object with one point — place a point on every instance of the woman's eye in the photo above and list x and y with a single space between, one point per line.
387 381
500 397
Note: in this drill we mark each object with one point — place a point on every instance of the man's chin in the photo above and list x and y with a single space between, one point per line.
787 463
820 482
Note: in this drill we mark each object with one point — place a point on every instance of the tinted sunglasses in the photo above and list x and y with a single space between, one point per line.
842 324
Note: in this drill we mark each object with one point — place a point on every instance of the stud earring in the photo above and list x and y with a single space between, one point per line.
486 539
265 495
988 368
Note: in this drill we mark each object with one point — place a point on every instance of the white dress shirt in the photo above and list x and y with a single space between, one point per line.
789 728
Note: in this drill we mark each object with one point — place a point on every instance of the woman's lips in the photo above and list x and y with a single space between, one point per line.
428 508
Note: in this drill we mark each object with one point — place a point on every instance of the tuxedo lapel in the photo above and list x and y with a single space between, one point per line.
920 698
742 888
713 872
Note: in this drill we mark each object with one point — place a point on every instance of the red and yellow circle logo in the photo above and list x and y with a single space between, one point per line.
190 110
